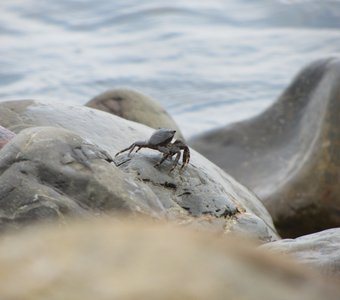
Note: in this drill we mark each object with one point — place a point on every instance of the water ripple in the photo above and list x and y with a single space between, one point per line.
208 62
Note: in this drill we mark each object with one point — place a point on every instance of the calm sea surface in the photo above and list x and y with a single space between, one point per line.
207 62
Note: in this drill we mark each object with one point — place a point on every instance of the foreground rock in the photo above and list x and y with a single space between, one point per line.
290 154
115 260
134 106
319 250
48 172
55 172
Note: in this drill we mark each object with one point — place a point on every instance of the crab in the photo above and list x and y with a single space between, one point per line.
162 140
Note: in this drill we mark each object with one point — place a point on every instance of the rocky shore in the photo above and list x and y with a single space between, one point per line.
74 215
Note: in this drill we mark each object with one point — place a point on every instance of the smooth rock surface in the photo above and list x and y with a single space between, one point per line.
134 106
320 250
112 259
201 195
49 173
290 154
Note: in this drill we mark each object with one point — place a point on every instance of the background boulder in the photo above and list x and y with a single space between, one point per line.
134 106
290 154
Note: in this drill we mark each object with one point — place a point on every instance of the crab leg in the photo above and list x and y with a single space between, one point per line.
178 155
126 149
140 144
186 157
165 156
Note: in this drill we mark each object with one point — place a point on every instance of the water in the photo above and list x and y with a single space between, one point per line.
207 62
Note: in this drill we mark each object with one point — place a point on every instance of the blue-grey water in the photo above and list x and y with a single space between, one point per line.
207 62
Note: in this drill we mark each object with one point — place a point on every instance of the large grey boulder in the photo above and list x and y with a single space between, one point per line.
134 106
75 163
49 172
290 154
320 250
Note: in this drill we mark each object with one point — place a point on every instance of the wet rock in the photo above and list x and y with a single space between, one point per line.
290 154
112 259
201 195
319 250
134 106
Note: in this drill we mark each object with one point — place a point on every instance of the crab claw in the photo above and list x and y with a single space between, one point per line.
178 145
185 157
